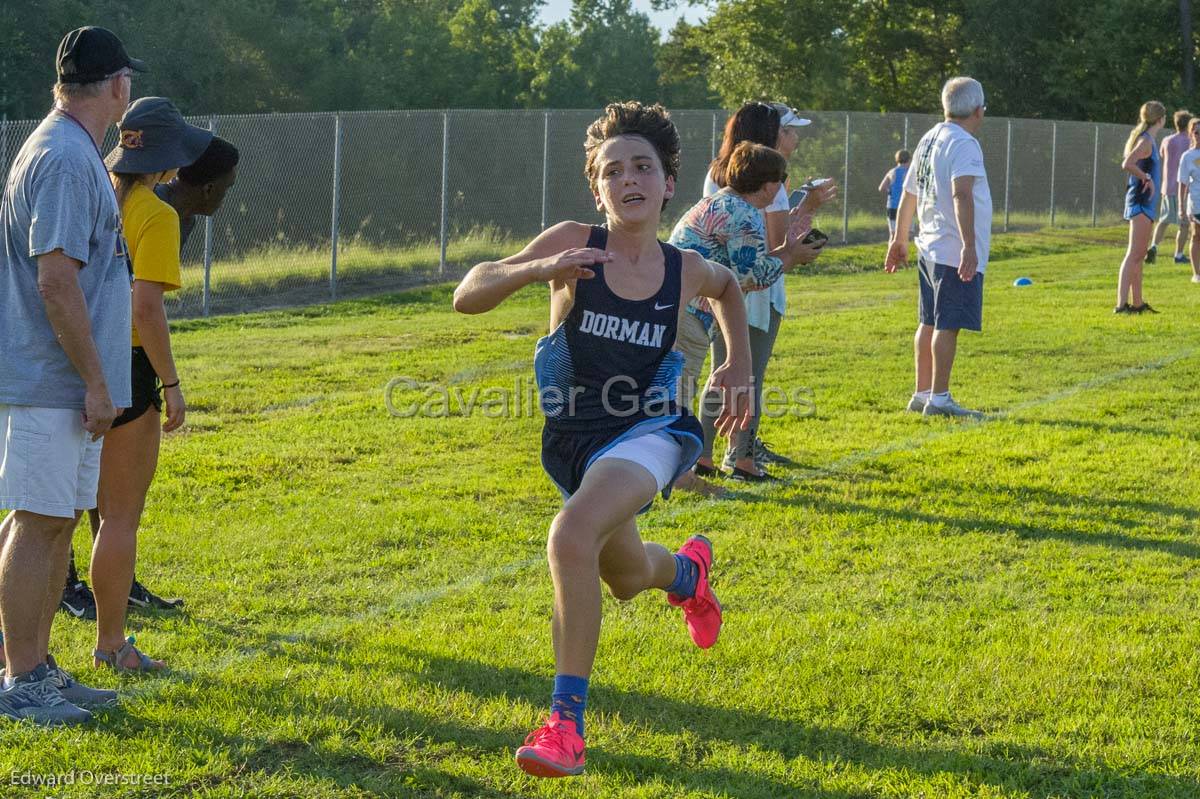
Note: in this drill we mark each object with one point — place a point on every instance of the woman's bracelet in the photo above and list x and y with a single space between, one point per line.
172 385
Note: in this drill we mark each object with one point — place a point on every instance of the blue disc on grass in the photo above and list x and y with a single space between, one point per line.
1022 281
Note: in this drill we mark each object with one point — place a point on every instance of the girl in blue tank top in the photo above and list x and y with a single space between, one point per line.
893 186
1142 198
614 435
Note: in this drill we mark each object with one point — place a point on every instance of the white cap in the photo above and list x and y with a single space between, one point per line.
789 118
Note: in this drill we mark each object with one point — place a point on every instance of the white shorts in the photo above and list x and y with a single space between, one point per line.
48 461
659 453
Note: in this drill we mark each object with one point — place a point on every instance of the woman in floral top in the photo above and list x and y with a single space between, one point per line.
728 228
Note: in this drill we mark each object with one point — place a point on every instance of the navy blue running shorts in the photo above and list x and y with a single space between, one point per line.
946 302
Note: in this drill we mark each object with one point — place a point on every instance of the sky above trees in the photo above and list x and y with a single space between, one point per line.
1068 59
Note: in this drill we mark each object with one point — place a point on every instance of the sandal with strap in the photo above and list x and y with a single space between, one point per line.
115 659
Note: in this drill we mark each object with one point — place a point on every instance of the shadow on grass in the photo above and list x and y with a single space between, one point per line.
1036 770
1001 765
1101 427
429 739
407 768
1100 512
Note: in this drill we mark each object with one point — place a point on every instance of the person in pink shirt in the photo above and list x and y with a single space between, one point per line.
1171 148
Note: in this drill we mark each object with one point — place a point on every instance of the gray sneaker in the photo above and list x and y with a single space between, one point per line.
951 408
916 404
74 692
34 696
729 463
763 454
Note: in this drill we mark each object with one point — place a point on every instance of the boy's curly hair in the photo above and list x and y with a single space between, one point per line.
631 118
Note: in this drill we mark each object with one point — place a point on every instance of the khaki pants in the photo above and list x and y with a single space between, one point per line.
692 341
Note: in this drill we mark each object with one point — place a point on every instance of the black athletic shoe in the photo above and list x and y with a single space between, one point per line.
79 601
1151 254
1123 309
750 477
1143 308
140 597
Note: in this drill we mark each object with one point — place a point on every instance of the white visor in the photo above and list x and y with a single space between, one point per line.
788 118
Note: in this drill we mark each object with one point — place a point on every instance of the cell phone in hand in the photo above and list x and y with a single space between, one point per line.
815 237
796 197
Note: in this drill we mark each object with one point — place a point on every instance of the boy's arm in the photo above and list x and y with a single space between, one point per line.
731 378
886 185
556 255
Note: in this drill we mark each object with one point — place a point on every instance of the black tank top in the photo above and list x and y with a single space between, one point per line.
615 357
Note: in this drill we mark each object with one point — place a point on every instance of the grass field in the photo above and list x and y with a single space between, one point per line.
924 609
281 275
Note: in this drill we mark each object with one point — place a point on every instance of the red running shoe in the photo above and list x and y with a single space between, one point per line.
702 612
552 750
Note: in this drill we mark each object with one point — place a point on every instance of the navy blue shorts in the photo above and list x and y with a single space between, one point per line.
947 303
567 455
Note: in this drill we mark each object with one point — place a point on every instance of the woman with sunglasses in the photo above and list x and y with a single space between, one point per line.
727 229
777 126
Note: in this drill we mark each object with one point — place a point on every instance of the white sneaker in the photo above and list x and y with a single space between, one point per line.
916 404
951 408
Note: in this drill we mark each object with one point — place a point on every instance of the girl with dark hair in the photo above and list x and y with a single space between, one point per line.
615 436
773 125
728 229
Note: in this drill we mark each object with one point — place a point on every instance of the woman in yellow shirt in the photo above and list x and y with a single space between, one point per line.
155 143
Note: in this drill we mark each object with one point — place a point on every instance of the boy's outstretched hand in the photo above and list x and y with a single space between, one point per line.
573 264
734 383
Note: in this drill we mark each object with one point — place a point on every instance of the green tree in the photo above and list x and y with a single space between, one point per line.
494 54
902 51
683 68
791 50
605 52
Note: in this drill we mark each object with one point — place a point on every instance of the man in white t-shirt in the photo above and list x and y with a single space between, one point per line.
948 190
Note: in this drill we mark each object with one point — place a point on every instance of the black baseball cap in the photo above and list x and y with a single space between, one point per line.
91 54
155 137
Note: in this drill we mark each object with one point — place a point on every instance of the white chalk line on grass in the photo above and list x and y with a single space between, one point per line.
405 601
410 600
953 427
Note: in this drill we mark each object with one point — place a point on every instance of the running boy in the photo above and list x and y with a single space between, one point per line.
893 186
607 372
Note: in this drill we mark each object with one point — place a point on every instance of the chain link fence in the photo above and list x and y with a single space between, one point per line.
349 204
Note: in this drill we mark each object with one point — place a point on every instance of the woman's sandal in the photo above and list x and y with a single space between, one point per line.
115 659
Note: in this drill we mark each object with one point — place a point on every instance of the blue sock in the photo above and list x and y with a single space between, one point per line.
570 698
686 575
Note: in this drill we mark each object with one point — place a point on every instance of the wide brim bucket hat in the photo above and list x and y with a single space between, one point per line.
155 138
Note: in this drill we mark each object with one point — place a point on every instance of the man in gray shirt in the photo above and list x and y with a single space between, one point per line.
65 322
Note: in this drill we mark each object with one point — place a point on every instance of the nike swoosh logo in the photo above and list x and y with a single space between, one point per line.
72 610
658 307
